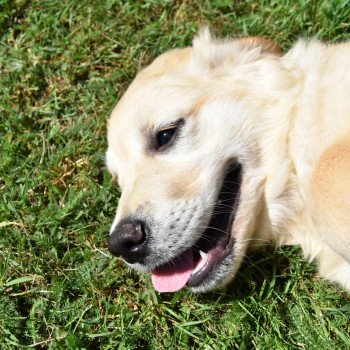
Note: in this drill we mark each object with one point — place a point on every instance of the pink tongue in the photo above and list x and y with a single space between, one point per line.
173 276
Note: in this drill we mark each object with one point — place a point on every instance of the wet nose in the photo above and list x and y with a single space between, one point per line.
128 240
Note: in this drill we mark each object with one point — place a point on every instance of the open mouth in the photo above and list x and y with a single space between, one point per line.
216 242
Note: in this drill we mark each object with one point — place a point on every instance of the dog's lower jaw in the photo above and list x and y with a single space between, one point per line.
222 273
225 271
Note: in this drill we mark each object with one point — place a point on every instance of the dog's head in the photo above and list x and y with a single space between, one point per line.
183 146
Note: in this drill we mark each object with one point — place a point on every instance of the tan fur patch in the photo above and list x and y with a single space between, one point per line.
197 106
185 186
331 180
331 191
167 62
267 45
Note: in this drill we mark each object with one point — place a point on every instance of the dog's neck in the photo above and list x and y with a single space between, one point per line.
273 96
277 90
290 112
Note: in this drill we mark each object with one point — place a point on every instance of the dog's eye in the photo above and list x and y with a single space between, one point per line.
165 136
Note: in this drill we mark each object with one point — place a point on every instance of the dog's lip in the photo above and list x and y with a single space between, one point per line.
213 258
220 227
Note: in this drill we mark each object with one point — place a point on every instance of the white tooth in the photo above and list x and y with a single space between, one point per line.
203 255
201 262
199 266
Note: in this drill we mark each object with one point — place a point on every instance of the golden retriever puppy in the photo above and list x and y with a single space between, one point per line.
226 144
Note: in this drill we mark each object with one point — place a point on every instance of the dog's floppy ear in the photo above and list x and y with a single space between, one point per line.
211 53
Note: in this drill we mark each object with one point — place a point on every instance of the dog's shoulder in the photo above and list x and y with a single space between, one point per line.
331 178
331 197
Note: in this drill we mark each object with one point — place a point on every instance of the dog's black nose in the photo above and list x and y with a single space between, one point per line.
128 240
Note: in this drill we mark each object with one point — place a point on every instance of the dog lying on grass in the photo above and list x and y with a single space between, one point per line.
229 144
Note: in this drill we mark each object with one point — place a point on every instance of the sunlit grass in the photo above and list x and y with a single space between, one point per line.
63 66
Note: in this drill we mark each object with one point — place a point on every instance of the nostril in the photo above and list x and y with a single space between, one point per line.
137 238
140 227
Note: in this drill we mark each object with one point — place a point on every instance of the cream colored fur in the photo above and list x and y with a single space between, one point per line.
285 117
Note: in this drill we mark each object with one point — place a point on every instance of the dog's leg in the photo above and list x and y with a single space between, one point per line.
331 198
333 267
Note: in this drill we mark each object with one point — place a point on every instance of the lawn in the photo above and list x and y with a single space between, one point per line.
63 66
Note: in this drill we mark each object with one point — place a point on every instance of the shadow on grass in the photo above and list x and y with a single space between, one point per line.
266 271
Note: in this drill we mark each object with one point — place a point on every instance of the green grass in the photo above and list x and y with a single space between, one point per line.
63 66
